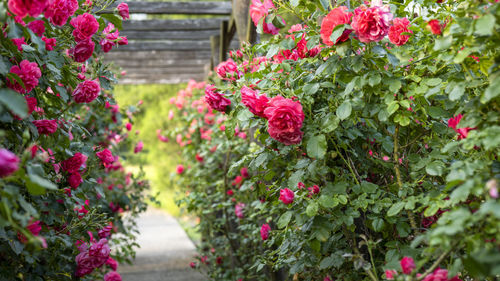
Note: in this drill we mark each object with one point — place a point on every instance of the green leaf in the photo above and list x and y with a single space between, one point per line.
395 209
432 82
338 31
344 110
316 146
273 50
374 79
310 89
393 107
485 25
312 209
284 219
378 224
435 168
431 210
342 199
325 4
394 85
443 43
492 91
117 21
294 3
462 55
327 201
296 177
4 66
457 92
14 101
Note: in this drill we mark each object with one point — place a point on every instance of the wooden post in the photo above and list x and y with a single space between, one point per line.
224 44
251 32
215 46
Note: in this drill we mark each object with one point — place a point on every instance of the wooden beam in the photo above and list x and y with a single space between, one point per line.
172 25
124 63
162 79
183 45
215 46
165 69
157 55
169 35
186 8
223 40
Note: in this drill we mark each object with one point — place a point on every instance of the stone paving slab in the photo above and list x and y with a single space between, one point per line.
165 252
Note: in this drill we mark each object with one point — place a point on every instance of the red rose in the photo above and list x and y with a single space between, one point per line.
112 276
440 275
389 274
264 231
106 156
9 162
228 70
435 27
87 91
255 103
112 263
259 10
34 228
22 8
31 102
29 74
238 210
216 100
399 26
106 45
286 196
371 24
123 11
335 17
82 51
85 26
407 264
285 118
74 163
74 180
180 169
60 10
50 43
462 132
37 26
45 127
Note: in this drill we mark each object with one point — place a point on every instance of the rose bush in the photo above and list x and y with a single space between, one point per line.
383 162
63 190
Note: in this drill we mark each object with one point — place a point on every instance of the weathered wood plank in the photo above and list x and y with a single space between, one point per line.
185 24
169 35
157 55
159 62
164 70
162 79
187 8
166 45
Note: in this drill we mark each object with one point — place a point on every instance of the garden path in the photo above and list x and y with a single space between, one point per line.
165 251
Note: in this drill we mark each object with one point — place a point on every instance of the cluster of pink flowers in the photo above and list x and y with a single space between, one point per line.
29 74
91 257
112 38
408 266
259 11
72 166
462 132
86 91
228 70
9 163
216 100
287 196
264 231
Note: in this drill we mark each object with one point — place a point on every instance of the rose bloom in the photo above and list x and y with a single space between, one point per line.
74 163
32 103
399 26
227 70
50 43
82 51
462 132
180 169
286 196
371 24
407 264
106 156
33 227
106 45
128 126
335 17
85 26
138 147
285 118
112 263
84 264
216 100
123 11
238 210
22 8
254 102
29 74
105 232
9 162
244 172
37 26
45 127
60 10
435 27
86 91
440 275
259 10
100 252
19 42
112 276
74 180
264 231
389 274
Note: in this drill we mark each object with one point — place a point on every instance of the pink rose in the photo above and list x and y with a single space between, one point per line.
106 156
19 42
84 264
50 43
335 17
86 91
32 103
85 26
440 275
100 252
73 164
238 210
105 232
254 102
22 8
371 24
435 27
180 169
112 276
244 172
33 227
462 132
9 162
60 10
37 26
74 180
399 25
106 45
407 264
29 74
264 231
122 40
259 10
286 196
228 70
112 263
138 147
45 127
123 11
389 274
82 51
285 118
216 100
128 126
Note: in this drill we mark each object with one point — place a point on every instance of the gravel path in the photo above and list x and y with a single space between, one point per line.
165 252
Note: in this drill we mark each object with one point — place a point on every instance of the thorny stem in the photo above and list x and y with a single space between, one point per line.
398 174
347 163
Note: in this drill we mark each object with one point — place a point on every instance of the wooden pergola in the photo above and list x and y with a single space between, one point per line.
168 51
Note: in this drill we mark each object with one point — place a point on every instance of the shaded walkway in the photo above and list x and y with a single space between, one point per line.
165 252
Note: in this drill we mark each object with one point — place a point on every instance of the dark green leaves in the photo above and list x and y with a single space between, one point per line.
316 146
344 110
14 101
484 25
284 220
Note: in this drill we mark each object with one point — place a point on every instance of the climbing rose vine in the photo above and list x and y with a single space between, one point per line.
369 133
